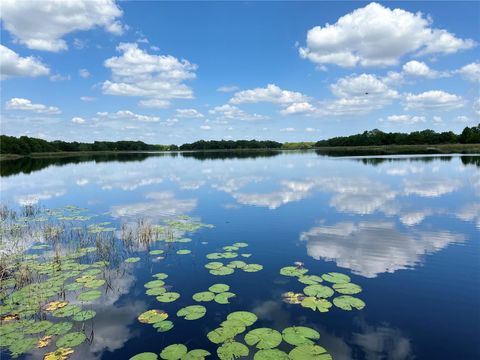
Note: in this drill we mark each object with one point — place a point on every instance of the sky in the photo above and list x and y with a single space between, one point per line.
176 72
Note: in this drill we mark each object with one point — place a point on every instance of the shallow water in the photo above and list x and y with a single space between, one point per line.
404 228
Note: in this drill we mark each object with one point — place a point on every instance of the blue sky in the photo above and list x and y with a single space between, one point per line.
175 72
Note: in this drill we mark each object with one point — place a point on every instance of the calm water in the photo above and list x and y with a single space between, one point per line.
407 229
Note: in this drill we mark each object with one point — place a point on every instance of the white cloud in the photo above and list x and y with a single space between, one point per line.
310 129
433 100
84 73
12 65
418 68
298 108
288 129
40 25
87 98
378 36
188 113
128 115
470 72
27 105
228 88
272 93
205 127
230 112
159 78
362 85
59 77
405 119
78 120
431 187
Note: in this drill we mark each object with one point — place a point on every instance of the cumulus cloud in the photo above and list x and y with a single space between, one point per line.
84 73
405 119
271 93
27 105
188 113
158 78
433 100
40 25
470 72
378 36
418 68
78 120
230 112
128 115
298 108
13 65
431 187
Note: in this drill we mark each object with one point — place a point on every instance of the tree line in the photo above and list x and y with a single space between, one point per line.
25 145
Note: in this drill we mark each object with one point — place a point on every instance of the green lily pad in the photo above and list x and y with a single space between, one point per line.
222 334
263 338
299 335
336 278
163 326
229 255
214 265
222 271
309 351
230 248
346 302
311 302
192 312
235 326
156 252
270 354
246 255
246 317
66 311
71 339
168 297
214 256
203 296
152 316
59 328
132 260
232 350
145 356
197 354
237 264
94 283
293 271
154 284
318 290
218 288
174 352
38 327
21 346
160 276
252 267
156 291
183 252
222 298
310 279
347 288
89 295
240 244
73 286
84 315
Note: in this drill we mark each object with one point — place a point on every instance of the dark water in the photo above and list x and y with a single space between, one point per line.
406 229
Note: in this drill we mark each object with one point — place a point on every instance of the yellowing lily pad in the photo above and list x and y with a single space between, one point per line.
62 353
152 316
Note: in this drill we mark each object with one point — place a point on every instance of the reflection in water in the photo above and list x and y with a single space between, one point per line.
374 247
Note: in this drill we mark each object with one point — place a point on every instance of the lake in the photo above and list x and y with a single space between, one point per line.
405 229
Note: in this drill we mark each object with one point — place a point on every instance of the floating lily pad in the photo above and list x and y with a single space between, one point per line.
235 326
160 276
156 291
252 267
54 305
214 265
218 288
73 286
240 244
71 339
89 295
183 252
154 284
230 248
309 351
196 354
222 334
94 283
248 318
299 335
59 328
222 298
263 338
22 345
214 256
192 312
232 350
163 326
152 316
66 311
222 271
293 298
84 315
270 354
310 279
203 296
168 297
293 271
318 290
347 288
156 252
132 260
311 302
346 302
38 327
62 353
336 278
237 264
174 352
246 255
145 356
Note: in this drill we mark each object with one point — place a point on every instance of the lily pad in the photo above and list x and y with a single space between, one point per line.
232 350
293 271
318 290
156 291
248 318
38 327
59 328
132 260
89 295
299 335
163 326
168 297
240 244
237 264
252 267
347 288
346 302
336 278
192 312
156 252
246 255
145 356
196 354
311 302
22 345
263 338
293 298
203 296
174 352
66 311
62 353
84 315
152 316
183 252
222 334
222 271
160 276
222 298
214 265
310 279
154 284
94 283
270 354
218 288
309 351
71 339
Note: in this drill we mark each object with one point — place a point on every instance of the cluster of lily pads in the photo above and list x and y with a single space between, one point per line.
315 295
230 252
218 292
